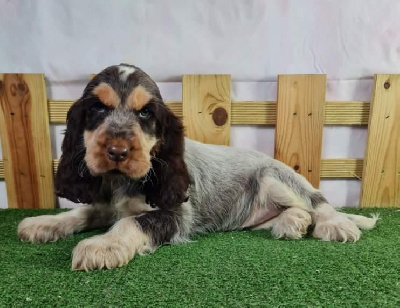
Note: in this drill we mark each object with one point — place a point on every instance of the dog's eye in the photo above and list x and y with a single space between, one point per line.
99 108
144 114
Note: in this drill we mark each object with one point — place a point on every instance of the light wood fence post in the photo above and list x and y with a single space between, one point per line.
381 172
25 136
207 107
299 123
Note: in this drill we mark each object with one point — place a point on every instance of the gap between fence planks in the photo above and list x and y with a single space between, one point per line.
251 112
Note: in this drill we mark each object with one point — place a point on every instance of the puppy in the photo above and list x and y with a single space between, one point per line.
125 155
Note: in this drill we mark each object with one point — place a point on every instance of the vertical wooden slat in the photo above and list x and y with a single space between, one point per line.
381 175
207 107
300 115
25 136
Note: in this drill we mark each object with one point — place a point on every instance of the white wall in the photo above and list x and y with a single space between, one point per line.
251 40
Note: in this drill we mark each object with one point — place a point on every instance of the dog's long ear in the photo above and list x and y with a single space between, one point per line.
73 179
171 178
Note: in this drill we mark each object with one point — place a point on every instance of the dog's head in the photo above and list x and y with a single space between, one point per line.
121 125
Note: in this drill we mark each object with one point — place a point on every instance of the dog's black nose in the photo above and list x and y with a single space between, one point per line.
116 153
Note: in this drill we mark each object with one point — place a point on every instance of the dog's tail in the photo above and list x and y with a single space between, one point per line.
364 223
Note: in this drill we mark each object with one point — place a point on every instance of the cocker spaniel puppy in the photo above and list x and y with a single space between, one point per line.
125 154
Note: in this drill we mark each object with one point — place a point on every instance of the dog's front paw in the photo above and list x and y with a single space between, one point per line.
101 251
337 228
40 229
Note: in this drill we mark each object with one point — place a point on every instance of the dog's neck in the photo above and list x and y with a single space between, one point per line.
117 184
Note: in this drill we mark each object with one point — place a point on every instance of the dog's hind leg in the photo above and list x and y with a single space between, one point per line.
292 224
306 205
331 225
294 220
48 228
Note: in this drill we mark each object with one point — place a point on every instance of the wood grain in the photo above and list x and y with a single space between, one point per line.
207 107
25 136
300 115
58 110
346 113
381 175
55 165
253 113
1 169
341 168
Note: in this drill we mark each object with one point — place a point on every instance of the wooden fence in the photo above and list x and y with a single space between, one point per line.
208 113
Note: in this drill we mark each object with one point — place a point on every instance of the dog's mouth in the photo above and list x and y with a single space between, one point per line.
134 169
115 172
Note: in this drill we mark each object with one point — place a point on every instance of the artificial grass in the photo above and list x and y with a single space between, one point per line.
233 269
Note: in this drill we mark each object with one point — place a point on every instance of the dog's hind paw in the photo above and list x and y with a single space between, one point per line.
292 224
337 228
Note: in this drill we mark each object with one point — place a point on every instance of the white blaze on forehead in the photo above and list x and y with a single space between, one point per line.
125 71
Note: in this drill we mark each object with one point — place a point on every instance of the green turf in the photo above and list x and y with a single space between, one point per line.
234 269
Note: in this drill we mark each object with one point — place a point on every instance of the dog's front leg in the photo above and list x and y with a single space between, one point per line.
49 228
131 236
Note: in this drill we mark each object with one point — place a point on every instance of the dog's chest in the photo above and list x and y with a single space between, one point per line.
132 206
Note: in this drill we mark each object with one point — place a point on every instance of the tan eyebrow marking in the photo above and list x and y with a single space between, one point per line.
107 95
138 98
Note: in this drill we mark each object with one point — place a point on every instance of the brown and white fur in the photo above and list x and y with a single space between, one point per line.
125 154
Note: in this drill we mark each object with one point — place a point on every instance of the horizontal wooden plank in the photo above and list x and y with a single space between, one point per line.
176 108
264 113
58 111
341 168
347 113
330 168
1 169
55 165
252 112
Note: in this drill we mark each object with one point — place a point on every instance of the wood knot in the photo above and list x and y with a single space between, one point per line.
21 87
296 167
386 85
220 116
1 84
